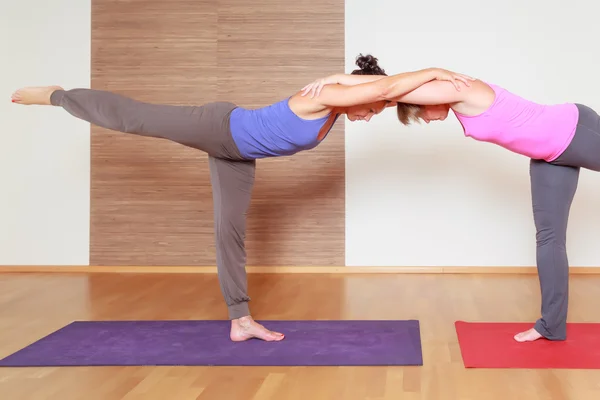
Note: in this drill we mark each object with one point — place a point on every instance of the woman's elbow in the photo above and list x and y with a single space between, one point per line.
385 93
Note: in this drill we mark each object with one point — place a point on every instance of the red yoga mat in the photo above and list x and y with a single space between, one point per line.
491 345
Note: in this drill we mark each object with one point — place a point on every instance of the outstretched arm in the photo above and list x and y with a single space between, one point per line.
387 88
441 92
351 80
314 88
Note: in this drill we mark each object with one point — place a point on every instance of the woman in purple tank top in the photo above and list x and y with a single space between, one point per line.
232 166
559 140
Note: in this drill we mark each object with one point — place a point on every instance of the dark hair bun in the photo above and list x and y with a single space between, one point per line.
369 65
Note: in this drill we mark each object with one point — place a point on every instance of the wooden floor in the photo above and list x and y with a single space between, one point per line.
32 306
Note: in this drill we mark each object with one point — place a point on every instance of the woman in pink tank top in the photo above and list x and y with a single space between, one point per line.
559 139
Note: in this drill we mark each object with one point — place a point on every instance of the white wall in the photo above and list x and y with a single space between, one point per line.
426 195
44 152
417 196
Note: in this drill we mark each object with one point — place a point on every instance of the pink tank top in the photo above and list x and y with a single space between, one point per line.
537 131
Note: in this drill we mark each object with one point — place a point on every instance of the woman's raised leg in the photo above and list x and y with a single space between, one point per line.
202 127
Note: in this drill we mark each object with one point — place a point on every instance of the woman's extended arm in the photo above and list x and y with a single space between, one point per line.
387 88
473 99
314 88
432 93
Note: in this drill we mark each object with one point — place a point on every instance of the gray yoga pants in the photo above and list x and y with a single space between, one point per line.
553 186
204 128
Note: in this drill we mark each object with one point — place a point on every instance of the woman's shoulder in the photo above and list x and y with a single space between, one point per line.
481 98
307 107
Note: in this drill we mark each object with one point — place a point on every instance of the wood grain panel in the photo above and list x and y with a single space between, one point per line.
268 50
151 200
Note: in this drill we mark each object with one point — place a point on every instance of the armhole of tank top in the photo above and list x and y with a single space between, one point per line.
462 126
330 128
481 114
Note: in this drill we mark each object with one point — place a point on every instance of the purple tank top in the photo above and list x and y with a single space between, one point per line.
273 131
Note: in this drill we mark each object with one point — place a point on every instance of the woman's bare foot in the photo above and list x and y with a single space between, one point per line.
528 336
39 95
246 328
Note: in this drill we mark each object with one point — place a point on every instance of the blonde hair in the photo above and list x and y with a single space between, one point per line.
408 113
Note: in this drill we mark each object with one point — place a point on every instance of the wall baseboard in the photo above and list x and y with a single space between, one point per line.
282 270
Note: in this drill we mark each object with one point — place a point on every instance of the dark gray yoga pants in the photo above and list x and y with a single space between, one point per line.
553 186
204 128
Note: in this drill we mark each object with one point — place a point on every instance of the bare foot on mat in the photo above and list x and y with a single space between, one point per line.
246 328
528 336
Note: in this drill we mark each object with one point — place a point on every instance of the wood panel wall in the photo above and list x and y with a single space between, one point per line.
151 200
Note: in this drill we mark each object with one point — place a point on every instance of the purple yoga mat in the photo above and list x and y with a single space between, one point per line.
307 343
